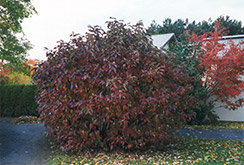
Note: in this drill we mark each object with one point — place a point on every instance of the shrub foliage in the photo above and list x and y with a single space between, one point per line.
203 111
4 79
112 89
17 100
18 78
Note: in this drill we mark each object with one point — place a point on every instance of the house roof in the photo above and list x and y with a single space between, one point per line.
160 40
233 37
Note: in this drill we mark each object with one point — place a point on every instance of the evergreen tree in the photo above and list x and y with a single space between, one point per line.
232 27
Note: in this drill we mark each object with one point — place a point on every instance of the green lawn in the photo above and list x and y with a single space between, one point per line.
184 151
220 125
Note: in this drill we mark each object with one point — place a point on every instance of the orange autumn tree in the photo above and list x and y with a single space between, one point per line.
223 63
30 65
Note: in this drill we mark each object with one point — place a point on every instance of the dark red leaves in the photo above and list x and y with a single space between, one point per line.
115 90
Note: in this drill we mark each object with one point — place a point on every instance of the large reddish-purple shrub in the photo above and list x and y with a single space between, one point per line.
112 89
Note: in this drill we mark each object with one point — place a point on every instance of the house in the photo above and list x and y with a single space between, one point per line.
225 114
163 40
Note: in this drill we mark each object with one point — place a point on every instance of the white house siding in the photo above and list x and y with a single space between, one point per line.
227 115
223 113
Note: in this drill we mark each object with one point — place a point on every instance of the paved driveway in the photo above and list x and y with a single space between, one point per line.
221 134
22 144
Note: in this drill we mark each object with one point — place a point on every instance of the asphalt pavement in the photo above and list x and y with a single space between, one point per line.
22 144
221 134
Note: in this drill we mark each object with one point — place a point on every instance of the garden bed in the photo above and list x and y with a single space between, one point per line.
26 119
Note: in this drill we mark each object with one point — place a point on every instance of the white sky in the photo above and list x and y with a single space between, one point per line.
57 19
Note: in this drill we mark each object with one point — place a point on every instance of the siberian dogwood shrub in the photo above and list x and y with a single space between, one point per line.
112 89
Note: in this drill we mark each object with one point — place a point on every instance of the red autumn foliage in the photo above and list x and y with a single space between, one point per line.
111 90
223 63
3 69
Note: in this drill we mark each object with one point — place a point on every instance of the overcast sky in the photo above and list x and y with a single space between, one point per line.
57 19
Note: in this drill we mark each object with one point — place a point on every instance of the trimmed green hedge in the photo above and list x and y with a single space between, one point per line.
17 100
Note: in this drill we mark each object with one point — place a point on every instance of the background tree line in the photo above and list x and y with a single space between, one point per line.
232 27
